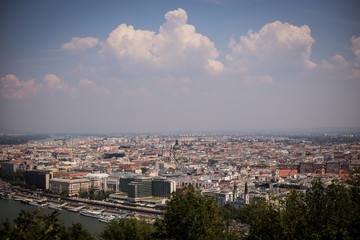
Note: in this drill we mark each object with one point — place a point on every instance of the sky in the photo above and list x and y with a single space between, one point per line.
156 66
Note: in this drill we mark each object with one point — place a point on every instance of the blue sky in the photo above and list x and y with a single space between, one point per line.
135 66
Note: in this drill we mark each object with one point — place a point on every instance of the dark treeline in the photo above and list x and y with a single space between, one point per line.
20 139
322 212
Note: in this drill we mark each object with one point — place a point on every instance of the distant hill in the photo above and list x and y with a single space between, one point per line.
13 139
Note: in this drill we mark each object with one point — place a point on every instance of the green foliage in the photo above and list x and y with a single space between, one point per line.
64 193
29 225
91 193
127 229
191 216
330 212
20 139
76 232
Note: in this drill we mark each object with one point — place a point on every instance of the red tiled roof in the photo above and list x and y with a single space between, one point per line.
287 172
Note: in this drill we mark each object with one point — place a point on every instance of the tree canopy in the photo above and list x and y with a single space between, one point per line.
322 212
191 216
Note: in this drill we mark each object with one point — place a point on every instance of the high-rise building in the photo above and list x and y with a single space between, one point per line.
140 187
39 179
124 182
162 187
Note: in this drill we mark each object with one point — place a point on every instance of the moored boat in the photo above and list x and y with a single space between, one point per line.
94 214
55 207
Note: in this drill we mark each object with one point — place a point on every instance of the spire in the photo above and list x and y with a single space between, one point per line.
234 192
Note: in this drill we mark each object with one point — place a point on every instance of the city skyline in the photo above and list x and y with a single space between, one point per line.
205 65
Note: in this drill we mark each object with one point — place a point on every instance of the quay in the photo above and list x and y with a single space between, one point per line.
27 195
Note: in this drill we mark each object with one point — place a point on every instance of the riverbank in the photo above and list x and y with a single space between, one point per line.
10 209
74 204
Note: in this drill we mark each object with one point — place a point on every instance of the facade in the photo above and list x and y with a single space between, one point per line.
73 186
124 181
140 187
98 180
163 187
40 179
70 174
306 167
10 166
223 198
113 183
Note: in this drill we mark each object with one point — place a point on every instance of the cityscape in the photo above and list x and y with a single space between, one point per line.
182 119
133 176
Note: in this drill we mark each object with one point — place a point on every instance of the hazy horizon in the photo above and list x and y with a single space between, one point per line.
179 66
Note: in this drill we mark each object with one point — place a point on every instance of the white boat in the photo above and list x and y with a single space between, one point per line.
55 207
38 204
107 218
94 214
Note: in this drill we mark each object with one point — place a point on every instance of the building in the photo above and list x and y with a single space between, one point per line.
10 166
70 174
72 186
113 184
124 181
223 198
306 167
98 180
162 187
140 187
40 179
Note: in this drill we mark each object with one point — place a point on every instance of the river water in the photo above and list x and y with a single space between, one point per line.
10 209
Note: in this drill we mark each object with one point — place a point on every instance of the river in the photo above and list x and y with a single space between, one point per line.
10 209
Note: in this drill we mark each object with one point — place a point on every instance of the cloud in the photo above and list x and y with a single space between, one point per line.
177 47
355 42
340 68
53 83
12 88
88 84
80 44
277 47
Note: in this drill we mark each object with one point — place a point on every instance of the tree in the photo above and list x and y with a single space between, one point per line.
322 212
263 218
190 216
29 225
76 232
127 229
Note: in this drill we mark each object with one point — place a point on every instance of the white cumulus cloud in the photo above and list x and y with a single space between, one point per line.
177 47
277 47
12 88
340 68
80 44
53 83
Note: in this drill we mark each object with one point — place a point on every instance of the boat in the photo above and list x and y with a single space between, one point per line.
38 204
55 207
94 214
106 219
